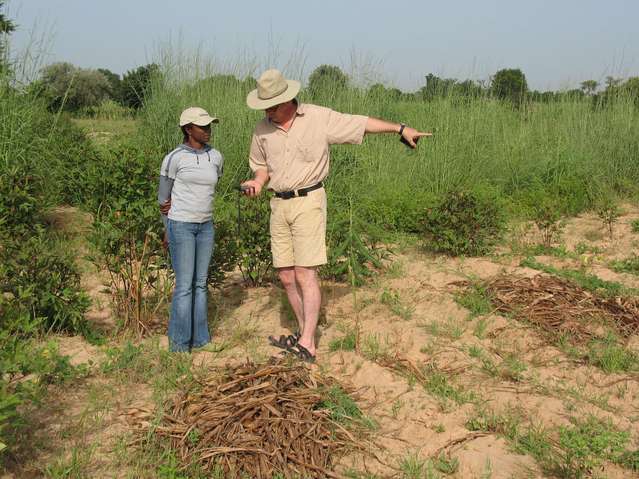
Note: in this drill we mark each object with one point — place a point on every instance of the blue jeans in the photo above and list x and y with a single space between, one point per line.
191 246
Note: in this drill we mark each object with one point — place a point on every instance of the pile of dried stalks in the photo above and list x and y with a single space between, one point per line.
558 306
256 421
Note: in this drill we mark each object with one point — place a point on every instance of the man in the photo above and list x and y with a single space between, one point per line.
290 152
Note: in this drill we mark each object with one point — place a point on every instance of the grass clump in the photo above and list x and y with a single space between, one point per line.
348 342
438 385
413 467
628 265
475 298
572 451
606 353
343 409
587 281
586 444
634 226
392 299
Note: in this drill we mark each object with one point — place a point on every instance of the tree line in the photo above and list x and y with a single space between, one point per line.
70 88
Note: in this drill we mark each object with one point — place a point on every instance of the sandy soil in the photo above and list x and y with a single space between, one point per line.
551 388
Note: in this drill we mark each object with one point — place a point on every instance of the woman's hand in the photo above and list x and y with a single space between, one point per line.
165 207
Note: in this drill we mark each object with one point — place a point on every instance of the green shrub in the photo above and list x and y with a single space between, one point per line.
465 223
39 273
354 248
546 213
252 239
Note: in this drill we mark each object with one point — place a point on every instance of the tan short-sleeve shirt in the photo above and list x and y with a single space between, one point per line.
299 157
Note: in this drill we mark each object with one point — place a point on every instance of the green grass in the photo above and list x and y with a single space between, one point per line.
344 343
104 131
438 384
628 265
412 466
73 467
446 329
587 281
343 409
372 347
480 328
634 226
606 353
395 303
587 443
568 452
476 141
475 298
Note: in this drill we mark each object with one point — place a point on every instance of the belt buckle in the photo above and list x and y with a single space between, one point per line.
287 195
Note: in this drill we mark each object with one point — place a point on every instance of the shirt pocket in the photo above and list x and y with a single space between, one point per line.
310 151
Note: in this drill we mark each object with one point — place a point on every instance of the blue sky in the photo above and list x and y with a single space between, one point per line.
556 43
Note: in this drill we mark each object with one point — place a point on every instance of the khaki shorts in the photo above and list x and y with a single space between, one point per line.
298 230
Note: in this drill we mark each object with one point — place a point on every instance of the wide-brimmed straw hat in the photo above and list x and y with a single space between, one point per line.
196 115
272 89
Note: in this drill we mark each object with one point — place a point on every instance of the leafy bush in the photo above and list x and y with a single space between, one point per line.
547 216
127 232
253 239
26 366
43 277
39 281
465 223
354 249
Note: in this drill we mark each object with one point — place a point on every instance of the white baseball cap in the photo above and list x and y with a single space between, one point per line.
196 115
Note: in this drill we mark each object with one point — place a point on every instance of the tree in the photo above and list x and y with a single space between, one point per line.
612 82
377 91
436 87
136 84
327 79
6 27
115 84
70 88
618 90
510 84
589 86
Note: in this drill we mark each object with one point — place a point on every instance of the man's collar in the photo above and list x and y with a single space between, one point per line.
301 109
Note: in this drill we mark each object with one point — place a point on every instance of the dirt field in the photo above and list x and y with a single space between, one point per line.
495 395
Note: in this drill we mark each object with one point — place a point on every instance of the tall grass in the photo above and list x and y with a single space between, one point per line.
567 149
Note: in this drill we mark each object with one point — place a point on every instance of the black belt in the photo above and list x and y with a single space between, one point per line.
287 195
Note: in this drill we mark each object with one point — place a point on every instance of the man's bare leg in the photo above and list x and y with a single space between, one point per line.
287 277
308 282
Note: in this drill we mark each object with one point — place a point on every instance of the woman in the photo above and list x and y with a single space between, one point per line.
188 178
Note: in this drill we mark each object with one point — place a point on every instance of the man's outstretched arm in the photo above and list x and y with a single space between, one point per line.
375 125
